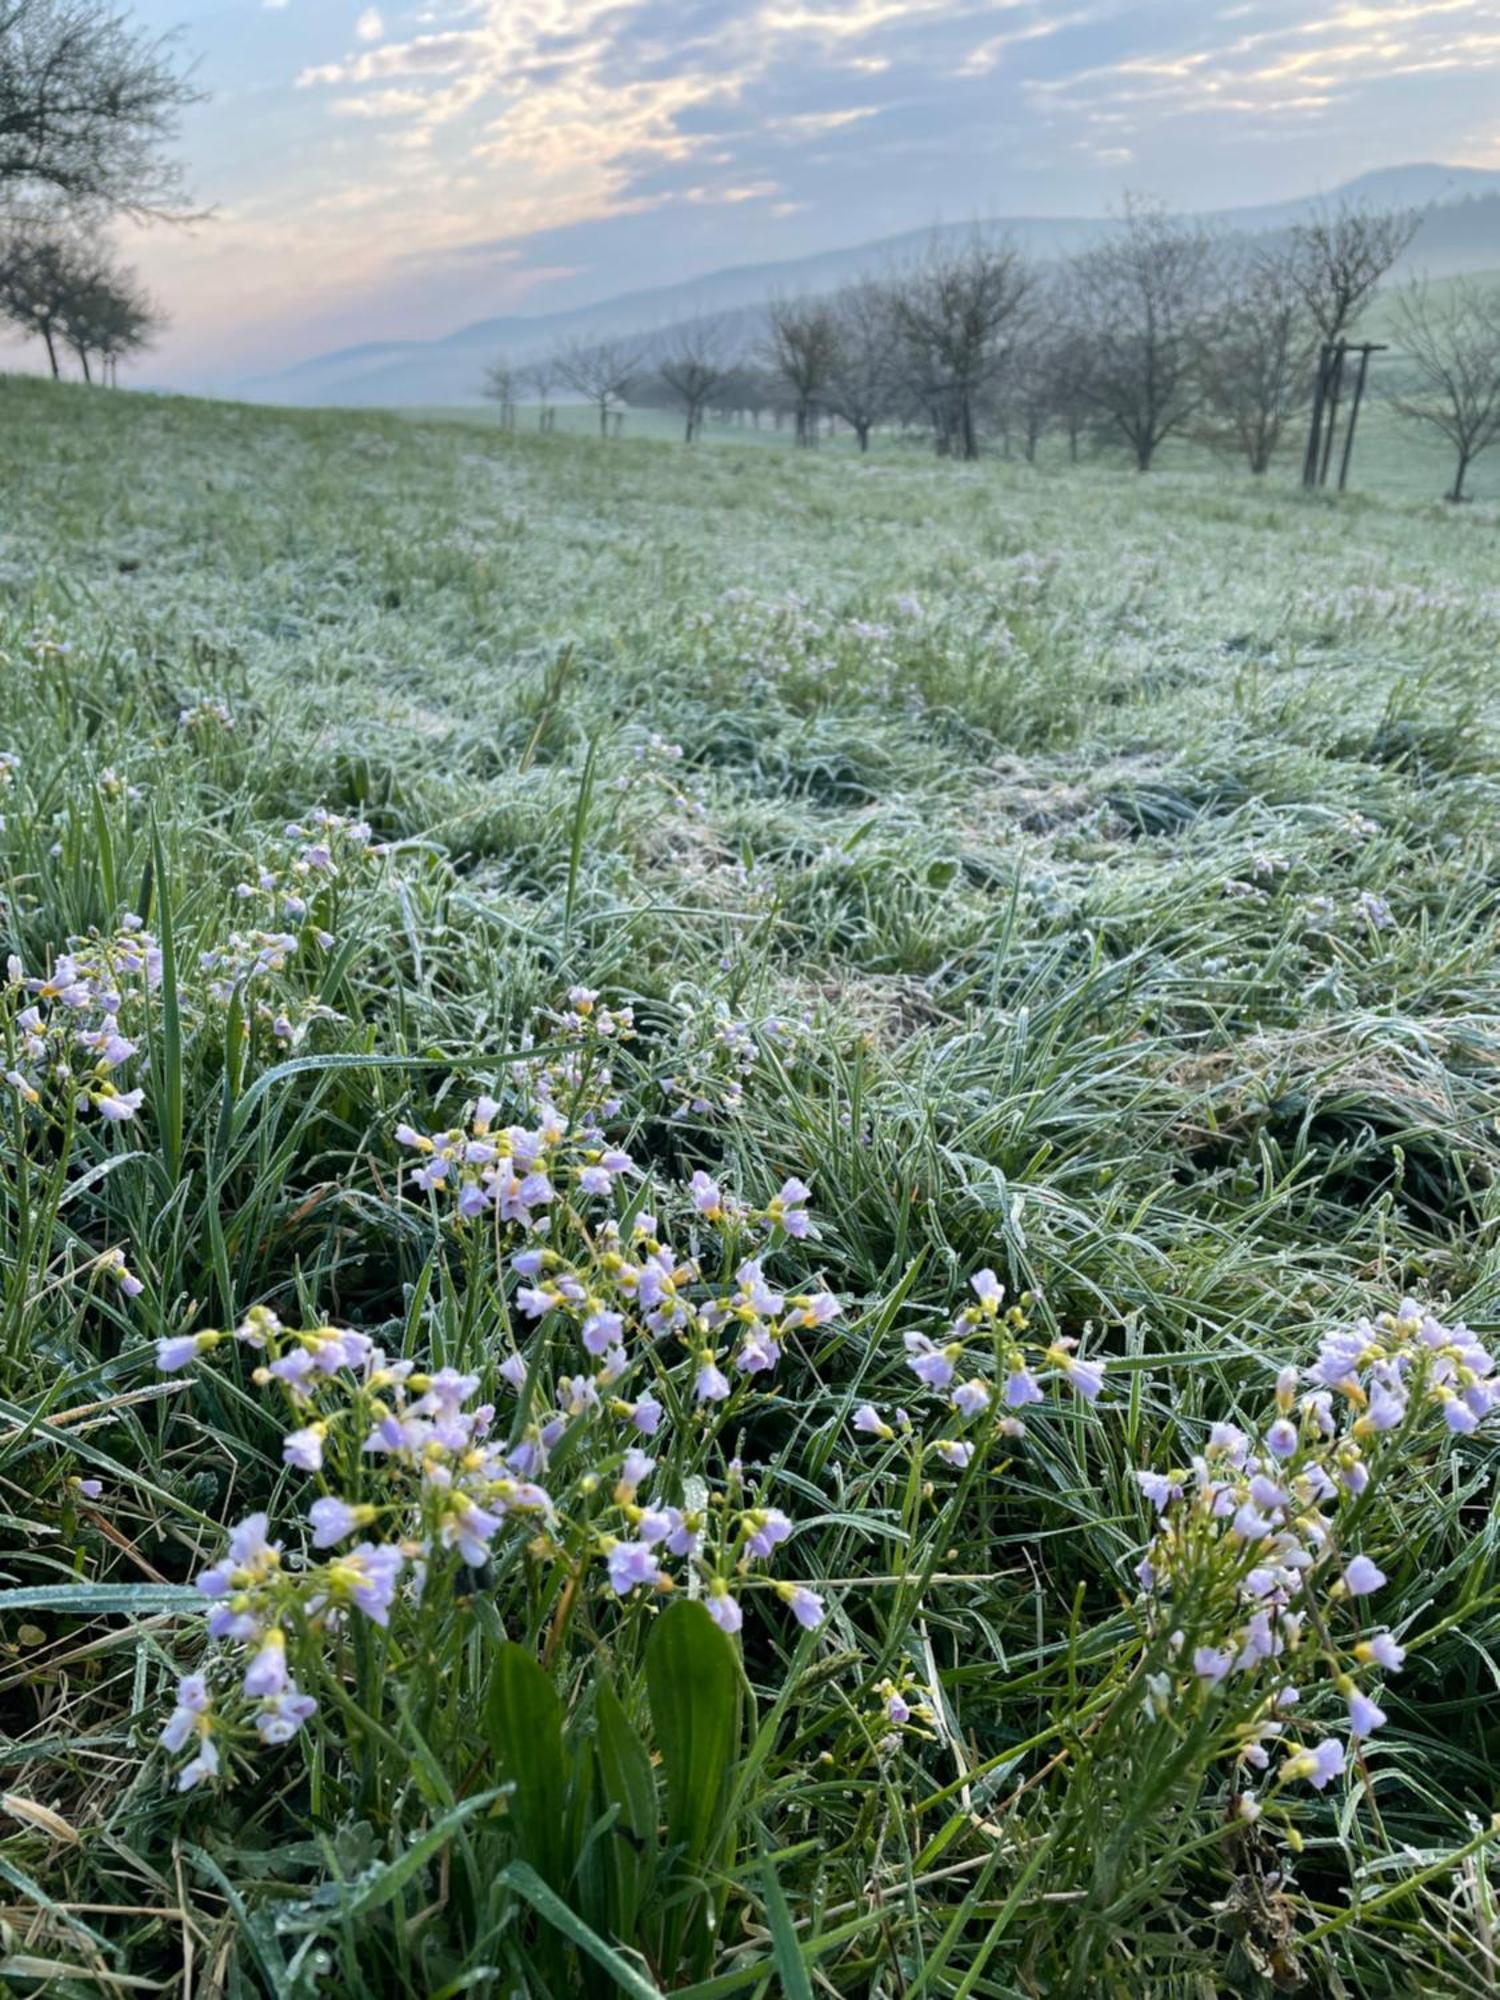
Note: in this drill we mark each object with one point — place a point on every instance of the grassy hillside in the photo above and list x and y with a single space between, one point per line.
1088 887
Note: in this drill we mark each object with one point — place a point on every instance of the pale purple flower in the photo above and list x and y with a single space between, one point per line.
520 1196
1157 1487
369 1573
969 1398
1281 1438
1362 1576
334 1521
988 1290
176 1352
1021 1388
1087 1377
707 1198
1365 1715
1327 1761
205 1765
118 1106
723 1609
636 1468
805 1605
1211 1664
602 1330
869 1420
646 1414
1385 1651
710 1385
770 1527
304 1448
282 1718
956 1453
929 1363
266 1674
631 1564
789 1208
655 1524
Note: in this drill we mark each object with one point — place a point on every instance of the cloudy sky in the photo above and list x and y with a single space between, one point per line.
389 168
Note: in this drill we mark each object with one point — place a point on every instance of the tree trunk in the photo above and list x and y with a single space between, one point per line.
52 353
862 432
83 362
1458 478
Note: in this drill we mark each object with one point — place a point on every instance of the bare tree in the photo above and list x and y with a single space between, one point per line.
88 107
801 345
600 371
540 377
1338 258
1259 362
38 275
864 374
499 388
68 291
692 363
1068 358
959 313
1450 344
1144 296
126 323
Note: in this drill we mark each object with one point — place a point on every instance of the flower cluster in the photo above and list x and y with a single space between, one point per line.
311 855
249 961
985 1372
206 717
715 1053
70 1024
414 1494
1252 1546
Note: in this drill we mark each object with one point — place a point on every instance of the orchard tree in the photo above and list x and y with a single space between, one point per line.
1145 298
600 371
499 388
1259 360
693 362
38 275
960 314
1337 259
863 381
1449 338
801 348
88 109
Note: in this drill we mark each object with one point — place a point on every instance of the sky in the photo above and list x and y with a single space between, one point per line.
378 169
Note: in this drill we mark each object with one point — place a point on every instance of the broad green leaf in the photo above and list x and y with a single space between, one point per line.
523 1721
694 1683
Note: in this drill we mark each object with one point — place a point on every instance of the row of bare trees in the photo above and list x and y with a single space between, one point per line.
1161 330
68 291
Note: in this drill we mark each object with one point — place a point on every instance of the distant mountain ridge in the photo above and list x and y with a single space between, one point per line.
1461 231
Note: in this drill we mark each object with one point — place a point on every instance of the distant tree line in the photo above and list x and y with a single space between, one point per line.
88 107
1161 330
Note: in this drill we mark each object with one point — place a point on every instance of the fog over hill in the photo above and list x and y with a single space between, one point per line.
1460 232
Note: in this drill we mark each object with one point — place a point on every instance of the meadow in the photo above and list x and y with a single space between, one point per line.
741 1198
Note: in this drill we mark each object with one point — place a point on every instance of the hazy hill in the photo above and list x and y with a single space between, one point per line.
1460 232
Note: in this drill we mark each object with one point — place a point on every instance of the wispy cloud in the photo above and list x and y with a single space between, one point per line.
497 139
